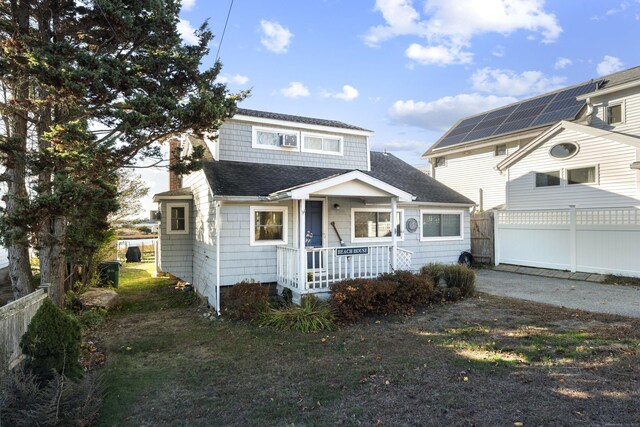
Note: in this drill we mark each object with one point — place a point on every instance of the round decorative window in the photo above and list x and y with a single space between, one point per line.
564 150
412 225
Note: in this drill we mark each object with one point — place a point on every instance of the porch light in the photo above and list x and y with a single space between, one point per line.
336 206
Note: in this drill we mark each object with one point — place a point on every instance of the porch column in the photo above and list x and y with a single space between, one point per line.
302 259
394 237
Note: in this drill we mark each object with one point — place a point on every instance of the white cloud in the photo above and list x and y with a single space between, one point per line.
234 79
438 55
349 93
275 37
510 83
440 114
562 63
187 32
295 90
449 26
498 51
188 4
609 64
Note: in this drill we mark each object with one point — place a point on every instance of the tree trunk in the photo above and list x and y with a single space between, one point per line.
18 244
52 262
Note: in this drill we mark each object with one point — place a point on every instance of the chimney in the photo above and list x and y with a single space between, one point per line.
175 180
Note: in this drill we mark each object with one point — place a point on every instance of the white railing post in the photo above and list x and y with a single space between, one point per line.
573 236
496 236
394 241
302 259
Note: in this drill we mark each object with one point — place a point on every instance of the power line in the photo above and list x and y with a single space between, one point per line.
224 30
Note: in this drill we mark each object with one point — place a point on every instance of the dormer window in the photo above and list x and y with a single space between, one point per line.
275 139
500 150
324 144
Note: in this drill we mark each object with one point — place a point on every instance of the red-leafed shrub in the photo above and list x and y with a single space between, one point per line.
245 300
412 290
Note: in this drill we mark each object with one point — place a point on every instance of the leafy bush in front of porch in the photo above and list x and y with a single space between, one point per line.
311 315
398 292
246 300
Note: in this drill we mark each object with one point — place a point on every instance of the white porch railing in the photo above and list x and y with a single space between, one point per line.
329 265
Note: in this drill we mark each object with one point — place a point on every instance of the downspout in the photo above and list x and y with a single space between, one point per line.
218 227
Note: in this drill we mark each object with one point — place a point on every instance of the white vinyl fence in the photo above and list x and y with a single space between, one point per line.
603 240
14 321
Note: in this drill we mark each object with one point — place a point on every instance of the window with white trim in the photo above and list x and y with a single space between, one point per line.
268 225
178 215
548 179
439 162
325 144
586 175
615 114
374 224
500 150
441 225
275 139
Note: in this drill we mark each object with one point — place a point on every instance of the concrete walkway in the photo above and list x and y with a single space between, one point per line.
576 294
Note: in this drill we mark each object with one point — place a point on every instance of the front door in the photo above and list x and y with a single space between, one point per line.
313 231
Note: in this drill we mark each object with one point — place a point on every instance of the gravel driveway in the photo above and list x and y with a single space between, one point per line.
594 297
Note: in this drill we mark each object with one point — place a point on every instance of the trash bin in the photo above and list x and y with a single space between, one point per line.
110 273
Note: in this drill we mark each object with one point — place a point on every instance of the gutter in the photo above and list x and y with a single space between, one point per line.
218 228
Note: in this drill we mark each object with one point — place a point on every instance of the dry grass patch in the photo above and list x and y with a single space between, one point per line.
484 361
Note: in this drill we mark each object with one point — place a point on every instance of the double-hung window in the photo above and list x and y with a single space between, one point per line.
441 225
374 224
178 214
268 225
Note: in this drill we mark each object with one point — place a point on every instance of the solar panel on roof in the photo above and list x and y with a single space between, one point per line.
545 109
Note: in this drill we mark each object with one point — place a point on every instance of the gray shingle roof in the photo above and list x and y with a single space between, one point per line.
257 179
452 138
298 119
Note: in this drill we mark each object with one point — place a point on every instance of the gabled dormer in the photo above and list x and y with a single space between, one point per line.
261 137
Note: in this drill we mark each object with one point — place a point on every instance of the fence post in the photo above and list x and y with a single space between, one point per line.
496 236
573 236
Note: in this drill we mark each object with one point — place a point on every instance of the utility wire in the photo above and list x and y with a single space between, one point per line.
115 34
224 30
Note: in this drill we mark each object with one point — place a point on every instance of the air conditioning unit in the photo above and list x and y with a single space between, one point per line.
288 140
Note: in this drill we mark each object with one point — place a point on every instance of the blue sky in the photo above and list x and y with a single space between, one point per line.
409 69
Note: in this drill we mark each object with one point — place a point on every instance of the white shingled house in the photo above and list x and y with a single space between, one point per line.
302 203
564 169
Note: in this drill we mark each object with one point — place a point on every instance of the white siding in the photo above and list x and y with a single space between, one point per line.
616 186
469 172
204 242
176 250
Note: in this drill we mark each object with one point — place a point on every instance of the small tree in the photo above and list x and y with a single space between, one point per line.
52 343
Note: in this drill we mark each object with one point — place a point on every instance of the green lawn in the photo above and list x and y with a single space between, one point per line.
487 360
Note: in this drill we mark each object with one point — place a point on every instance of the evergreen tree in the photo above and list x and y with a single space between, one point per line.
88 87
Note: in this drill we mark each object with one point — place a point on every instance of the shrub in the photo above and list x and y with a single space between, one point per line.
312 314
459 277
52 343
246 299
412 289
433 270
90 319
352 298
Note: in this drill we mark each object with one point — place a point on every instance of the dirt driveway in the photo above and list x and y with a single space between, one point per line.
575 294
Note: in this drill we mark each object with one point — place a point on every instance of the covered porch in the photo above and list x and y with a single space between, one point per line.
363 243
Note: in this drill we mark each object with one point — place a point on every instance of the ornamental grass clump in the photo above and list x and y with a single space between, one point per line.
52 343
311 315
460 280
434 270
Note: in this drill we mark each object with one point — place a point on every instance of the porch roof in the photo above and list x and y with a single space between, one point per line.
179 194
262 180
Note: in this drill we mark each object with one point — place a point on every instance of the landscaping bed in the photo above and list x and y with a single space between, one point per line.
483 361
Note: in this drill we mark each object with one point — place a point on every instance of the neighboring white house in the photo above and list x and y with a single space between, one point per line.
571 193
466 157
303 203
